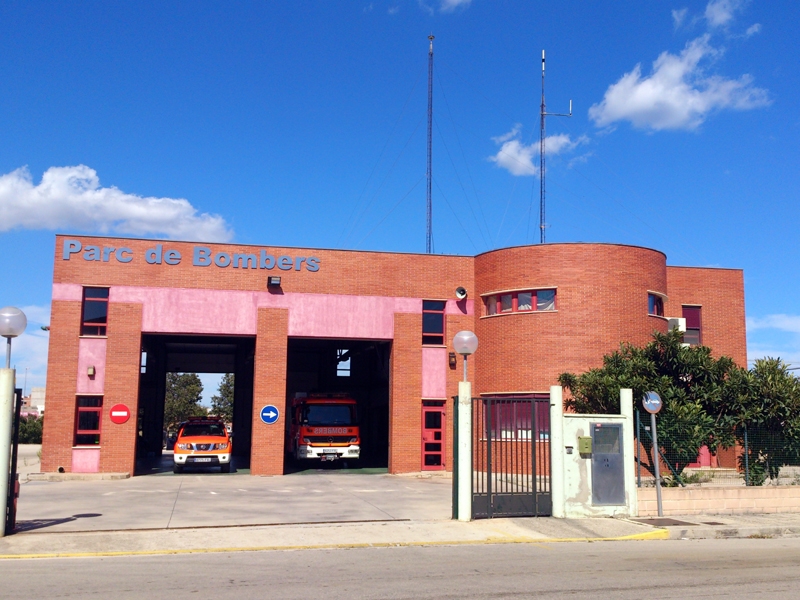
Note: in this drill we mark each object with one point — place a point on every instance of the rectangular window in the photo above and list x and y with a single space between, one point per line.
343 363
655 305
533 300
87 420
693 333
433 322
513 419
95 311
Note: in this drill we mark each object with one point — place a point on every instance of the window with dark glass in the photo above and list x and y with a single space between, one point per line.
529 300
95 311
87 420
693 333
655 305
433 322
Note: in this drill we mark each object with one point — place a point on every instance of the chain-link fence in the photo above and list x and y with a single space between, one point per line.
749 455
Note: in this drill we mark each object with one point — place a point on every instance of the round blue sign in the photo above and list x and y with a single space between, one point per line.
269 414
651 402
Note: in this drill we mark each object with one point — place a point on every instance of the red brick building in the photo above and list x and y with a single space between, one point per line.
376 325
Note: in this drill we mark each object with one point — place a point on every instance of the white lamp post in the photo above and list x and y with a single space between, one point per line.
465 343
12 324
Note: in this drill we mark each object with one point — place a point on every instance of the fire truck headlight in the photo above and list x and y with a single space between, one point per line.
222 446
306 441
353 440
182 446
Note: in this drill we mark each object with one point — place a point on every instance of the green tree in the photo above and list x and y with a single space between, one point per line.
770 413
222 401
697 391
30 430
184 392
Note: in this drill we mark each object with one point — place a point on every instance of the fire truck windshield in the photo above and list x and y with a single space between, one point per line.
328 414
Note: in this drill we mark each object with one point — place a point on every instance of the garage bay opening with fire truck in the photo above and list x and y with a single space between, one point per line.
323 427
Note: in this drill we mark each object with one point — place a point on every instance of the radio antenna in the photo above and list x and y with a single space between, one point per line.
542 114
429 229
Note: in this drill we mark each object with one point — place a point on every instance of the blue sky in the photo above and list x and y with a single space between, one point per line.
303 124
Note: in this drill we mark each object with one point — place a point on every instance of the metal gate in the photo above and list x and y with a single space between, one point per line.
511 457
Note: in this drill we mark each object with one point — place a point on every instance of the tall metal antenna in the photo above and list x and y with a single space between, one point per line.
429 229
542 114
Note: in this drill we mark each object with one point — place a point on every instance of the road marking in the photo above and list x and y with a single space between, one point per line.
658 534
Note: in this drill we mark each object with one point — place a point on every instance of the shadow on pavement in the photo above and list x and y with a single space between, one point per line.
43 523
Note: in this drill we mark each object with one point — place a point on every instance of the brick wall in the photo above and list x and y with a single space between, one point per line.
405 401
123 356
720 501
720 292
601 300
62 368
269 387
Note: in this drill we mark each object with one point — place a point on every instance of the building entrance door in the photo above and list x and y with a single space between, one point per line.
433 433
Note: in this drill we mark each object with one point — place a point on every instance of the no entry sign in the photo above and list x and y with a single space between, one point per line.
119 414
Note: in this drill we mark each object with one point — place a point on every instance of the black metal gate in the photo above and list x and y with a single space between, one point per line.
511 457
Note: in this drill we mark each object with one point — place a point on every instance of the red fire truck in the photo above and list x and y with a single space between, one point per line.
323 427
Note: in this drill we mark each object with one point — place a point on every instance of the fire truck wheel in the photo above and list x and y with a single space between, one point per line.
177 469
226 468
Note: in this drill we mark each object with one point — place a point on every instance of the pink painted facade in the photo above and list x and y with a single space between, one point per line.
91 353
434 373
85 460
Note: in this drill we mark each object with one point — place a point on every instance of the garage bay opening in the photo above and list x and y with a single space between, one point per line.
337 404
169 392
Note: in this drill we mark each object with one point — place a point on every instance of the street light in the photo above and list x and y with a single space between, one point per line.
12 324
465 343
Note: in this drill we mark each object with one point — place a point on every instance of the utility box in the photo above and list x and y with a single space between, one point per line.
584 445
608 468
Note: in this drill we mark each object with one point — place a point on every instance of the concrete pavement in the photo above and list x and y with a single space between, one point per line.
210 512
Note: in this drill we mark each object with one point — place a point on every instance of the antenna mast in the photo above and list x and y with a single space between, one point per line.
542 114
429 229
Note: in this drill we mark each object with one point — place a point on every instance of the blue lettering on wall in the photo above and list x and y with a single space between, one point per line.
285 263
153 255
172 257
120 255
202 256
70 247
222 259
91 253
246 261
267 260
312 264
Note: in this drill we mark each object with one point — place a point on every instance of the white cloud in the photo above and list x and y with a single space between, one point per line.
719 13
451 5
786 323
72 198
517 157
393 10
678 16
752 30
677 94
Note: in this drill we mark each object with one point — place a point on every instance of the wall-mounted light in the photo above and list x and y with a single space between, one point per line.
90 371
273 281
451 358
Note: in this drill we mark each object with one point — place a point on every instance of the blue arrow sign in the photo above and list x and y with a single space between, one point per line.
269 414
652 402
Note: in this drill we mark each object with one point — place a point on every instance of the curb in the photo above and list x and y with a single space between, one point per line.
657 534
703 533
77 476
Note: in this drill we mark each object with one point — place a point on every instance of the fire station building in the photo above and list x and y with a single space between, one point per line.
375 325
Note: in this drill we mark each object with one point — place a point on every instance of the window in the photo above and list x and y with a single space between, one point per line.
87 420
655 305
693 333
514 418
527 301
433 322
95 311
342 362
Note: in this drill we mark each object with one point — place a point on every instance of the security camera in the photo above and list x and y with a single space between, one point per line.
461 293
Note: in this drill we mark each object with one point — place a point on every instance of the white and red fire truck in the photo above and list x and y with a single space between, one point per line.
323 427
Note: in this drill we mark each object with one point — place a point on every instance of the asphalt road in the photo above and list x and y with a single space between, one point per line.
733 569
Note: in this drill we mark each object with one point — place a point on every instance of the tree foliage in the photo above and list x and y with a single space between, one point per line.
222 401
696 390
184 392
30 430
